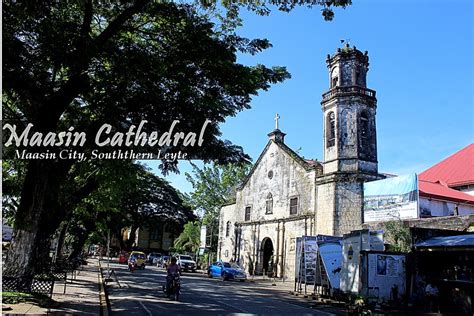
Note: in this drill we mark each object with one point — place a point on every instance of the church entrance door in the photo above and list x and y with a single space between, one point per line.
267 254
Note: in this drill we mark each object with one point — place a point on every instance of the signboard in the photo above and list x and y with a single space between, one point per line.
391 199
203 237
352 245
384 273
310 248
298 257
331 255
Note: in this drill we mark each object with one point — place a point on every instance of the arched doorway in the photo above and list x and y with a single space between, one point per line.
267 253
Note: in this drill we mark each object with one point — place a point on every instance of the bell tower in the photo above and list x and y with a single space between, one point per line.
350 143
349 109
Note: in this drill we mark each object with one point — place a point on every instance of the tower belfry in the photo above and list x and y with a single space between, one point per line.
350 142
349 109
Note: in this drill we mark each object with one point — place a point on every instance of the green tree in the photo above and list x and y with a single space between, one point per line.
151 200
398 236
130 196
189 239
86 63
214 185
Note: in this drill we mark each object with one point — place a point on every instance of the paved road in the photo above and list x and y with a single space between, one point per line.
141 294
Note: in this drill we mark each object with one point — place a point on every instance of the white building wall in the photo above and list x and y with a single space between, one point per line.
226 243
435 207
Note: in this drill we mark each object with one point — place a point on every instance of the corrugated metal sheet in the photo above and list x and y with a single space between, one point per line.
456 170
437 190
448 241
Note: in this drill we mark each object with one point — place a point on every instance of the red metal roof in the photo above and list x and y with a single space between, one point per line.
456 170
437 190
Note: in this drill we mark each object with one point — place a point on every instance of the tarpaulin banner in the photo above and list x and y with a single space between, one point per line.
391 199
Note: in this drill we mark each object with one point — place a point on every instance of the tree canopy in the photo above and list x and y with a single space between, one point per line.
86 63
214 185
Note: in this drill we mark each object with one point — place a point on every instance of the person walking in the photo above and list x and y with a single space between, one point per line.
431 295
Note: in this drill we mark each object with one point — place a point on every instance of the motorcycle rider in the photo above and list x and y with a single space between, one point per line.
132 263
172 270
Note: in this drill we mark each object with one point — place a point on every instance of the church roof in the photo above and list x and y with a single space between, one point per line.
307 164
456 170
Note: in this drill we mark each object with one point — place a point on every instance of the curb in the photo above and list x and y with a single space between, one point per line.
104 310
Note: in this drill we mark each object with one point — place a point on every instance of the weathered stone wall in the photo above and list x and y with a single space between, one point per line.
348 207
289 179
325 215
350 153
282 236
226 243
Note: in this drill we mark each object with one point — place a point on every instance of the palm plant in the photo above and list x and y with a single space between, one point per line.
189 239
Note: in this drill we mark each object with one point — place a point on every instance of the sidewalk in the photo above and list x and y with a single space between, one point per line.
81 298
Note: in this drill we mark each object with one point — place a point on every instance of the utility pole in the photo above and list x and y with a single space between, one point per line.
210 246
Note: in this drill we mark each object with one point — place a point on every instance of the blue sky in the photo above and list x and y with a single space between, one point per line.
421 65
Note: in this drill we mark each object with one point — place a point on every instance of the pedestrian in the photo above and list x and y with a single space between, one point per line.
431 295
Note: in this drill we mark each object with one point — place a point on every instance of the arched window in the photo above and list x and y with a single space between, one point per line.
331 129
364 130
269 204
334 77
227 229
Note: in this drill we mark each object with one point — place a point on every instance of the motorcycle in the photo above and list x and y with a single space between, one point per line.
173 286
132 265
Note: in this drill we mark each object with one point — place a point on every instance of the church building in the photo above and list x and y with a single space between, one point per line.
285 196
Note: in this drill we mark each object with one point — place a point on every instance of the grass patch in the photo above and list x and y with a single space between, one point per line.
16 294
16 297
21 297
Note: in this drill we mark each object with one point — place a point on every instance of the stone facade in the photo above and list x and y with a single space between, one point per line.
280 207
285 196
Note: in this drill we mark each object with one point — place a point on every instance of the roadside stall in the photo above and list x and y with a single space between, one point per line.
446 262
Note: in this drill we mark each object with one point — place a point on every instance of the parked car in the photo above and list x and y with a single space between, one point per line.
162 261
153 257
140 258
226 271
186 263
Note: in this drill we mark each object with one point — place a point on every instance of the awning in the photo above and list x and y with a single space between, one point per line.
448 242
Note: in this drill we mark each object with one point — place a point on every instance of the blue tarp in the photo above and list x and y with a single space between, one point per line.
448 241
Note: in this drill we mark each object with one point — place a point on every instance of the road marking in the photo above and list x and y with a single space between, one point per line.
144 307
318 310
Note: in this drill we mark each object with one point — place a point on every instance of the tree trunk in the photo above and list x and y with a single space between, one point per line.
78 244
36 218
119 236
132 237
61 238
